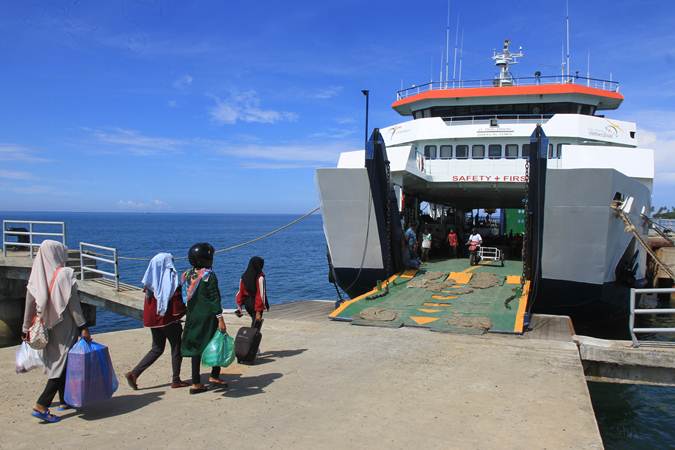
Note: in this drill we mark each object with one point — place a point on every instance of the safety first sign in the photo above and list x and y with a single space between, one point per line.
490 178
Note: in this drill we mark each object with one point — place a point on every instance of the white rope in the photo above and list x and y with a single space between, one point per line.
243 244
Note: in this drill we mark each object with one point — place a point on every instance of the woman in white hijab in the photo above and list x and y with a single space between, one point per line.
52 297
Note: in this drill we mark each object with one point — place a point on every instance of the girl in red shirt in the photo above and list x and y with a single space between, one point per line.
252 294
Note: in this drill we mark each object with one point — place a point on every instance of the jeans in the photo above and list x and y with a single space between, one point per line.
172 333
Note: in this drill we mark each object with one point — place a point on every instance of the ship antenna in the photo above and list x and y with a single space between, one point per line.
454 57
461 51
588 68
503 60
440 77
447 44
567 36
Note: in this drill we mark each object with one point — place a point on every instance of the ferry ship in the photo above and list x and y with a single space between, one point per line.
474 145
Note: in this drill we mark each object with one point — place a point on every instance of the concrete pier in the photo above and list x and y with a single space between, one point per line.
323 384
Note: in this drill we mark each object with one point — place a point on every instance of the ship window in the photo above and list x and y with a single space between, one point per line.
446 151
477 151
462 151
550 151
417 114
511 151
430 151
526 151
558 153
494 151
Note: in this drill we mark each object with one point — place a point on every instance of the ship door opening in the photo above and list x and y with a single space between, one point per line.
502 229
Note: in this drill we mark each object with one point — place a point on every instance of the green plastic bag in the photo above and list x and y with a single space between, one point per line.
219 351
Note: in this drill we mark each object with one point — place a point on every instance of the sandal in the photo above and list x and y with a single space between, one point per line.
46 416
179 384
198 390
217 382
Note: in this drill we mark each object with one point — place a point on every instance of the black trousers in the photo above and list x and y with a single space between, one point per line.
172 333
249 305
196 374
54 385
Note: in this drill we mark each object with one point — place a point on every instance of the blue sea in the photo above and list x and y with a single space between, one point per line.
629 416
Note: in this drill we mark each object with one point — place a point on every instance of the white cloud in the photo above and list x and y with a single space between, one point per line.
326 93
663 144
135 142
183 82
278 166
135 205
15 175
245 107
13 152
172 104
295 153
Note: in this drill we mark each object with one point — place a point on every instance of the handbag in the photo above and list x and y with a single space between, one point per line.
37 333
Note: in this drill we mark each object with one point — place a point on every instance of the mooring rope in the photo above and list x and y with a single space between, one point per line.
242 244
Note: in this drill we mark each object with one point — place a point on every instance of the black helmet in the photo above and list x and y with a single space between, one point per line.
201 255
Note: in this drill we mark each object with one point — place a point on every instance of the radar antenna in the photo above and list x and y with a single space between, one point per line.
503 60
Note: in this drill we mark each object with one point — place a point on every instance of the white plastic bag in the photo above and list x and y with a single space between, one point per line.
27 358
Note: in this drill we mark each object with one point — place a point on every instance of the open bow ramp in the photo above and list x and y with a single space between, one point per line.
445 296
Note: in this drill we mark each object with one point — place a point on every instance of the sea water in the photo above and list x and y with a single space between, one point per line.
629 416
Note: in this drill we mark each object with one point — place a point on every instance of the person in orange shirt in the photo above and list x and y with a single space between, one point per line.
453 242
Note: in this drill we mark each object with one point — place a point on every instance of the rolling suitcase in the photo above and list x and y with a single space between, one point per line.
246 344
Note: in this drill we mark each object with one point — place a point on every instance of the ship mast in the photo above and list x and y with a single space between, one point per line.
503 60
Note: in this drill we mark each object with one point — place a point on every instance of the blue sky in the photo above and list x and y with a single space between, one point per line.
230 106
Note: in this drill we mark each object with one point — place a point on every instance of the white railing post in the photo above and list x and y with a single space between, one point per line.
117 273
81 263
30 236
631 319
4 239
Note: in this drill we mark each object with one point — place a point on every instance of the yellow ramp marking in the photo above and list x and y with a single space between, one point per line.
410 273
513 279
443 305
443 297
460 277
522 304
348 303
423 320
428 310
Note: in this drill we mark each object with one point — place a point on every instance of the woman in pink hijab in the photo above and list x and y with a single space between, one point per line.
52 296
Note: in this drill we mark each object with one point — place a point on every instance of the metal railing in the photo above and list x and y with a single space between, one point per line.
636 311
605 85
99 253
511 118
30 233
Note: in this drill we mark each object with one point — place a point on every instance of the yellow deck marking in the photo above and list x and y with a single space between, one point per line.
410 273
522 304
346 304
430 311
460 277
437 305
513 279
443 297
423 320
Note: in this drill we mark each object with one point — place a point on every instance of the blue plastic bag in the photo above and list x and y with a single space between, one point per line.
90 377
219 351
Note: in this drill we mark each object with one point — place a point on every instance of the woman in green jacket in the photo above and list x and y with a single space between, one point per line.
204 313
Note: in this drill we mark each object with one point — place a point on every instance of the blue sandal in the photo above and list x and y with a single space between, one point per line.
46 416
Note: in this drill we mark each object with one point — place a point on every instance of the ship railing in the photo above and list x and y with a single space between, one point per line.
517 118
605 85
29 234
634 331
99 254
